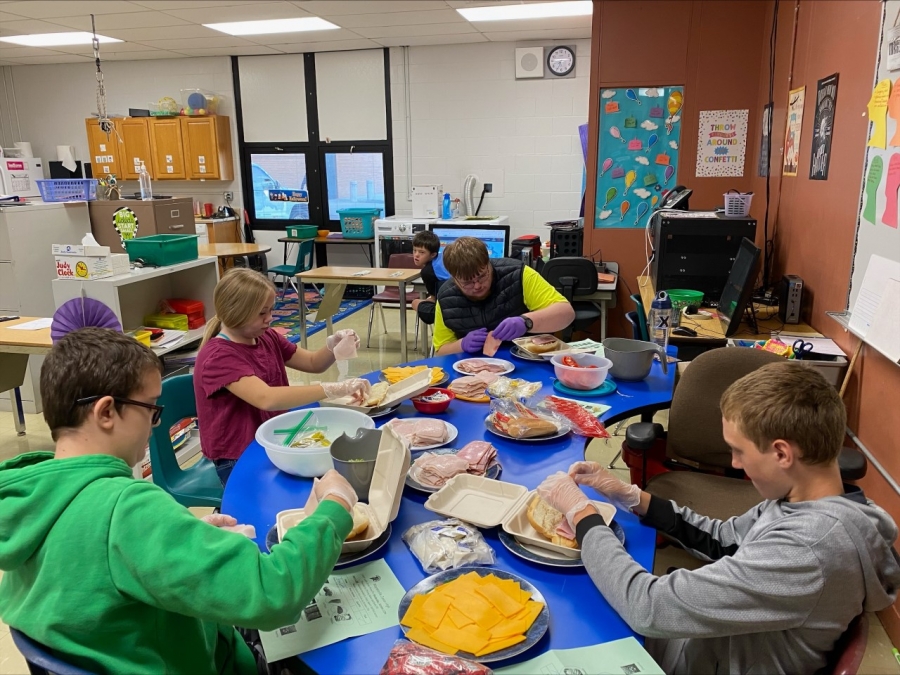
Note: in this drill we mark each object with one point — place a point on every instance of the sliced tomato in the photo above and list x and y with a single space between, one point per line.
569 361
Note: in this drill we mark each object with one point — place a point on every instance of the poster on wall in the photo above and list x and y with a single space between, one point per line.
640 132
893 46
722 143
765 140
796 98
823 126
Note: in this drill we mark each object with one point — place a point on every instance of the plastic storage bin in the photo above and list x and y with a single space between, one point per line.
358 223
162 249
682 298
302 231
199 102
68 190
167 321
737 204
193 309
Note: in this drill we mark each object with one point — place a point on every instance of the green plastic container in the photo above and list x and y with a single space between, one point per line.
163 249
358 223
302 231
682 298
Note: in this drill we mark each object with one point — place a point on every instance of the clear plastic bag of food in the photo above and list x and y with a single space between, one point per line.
519 421
311 437
512 388
408 658
584 423
447 544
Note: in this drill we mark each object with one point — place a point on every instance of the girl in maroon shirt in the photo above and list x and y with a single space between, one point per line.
240 379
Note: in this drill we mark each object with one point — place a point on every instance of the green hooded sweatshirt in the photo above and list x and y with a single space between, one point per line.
116 577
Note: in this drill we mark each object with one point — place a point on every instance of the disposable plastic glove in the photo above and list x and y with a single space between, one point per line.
333 340
561 492
510 329
474 341
622 494
219 520
357 388
331 484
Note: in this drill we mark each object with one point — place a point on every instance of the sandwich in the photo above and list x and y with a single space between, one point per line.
360 521
550 523
377 394
541 344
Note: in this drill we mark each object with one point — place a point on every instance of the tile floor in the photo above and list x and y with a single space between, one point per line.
385 351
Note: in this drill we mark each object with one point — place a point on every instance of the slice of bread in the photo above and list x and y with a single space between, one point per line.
377 394
545 519
360 521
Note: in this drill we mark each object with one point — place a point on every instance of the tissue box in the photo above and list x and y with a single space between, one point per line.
120 264
82 262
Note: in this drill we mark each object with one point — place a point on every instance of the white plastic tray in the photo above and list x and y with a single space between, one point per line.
401 391
476 499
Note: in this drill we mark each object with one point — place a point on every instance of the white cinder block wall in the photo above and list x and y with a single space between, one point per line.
470 115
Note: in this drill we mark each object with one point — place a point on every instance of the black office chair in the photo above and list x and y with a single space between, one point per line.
573 277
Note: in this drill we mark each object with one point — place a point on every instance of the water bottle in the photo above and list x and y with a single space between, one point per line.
660 319
445 211
144 178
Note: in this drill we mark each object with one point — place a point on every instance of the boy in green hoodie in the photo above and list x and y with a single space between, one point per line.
109 572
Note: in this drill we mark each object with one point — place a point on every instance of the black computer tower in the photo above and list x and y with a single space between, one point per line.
695 251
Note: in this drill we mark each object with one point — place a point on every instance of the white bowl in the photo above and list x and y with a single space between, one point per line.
583 379
314 460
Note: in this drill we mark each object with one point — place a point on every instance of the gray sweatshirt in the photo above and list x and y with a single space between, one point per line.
786 581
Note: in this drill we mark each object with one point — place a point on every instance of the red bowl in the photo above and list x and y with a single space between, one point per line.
433 408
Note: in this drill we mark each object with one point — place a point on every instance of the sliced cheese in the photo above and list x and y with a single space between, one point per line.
412 612
499 599
434 608
459 619
497 645
459 639
508 628
424 638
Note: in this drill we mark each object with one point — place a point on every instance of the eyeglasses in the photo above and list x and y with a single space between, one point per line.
482 279
157 409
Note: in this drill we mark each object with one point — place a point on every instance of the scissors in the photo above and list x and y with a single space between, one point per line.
801 349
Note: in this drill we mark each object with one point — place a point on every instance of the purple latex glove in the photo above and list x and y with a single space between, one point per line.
474 341
510 329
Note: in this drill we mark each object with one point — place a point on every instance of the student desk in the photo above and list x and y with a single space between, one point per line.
323 242
336 280
579 616
229 251
15 346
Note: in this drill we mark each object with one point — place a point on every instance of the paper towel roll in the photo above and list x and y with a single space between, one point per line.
25 148
66 155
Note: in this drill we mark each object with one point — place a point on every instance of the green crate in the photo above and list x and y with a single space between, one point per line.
302 231
163 249
358 223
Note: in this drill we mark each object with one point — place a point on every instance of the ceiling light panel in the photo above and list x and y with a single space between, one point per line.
543 10
271 26
55 39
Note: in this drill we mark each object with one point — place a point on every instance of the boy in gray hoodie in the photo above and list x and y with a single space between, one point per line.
786 578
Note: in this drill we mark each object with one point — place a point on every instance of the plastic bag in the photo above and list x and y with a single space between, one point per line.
447 544
519 421
507 387
343 352
408 658
583 423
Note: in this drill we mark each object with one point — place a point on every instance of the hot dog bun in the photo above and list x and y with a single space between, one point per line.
545 519
360 521
527 427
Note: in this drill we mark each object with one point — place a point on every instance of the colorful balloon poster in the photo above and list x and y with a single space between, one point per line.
638 152
722 143
796 98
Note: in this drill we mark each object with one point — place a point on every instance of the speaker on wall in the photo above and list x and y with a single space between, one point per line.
529 62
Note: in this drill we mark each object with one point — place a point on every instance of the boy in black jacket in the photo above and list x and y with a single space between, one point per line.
426 246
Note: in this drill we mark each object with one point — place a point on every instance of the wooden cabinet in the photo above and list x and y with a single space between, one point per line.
135 147
103 149
207 148
167 149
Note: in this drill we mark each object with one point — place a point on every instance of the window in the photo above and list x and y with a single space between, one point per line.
354 180
280 190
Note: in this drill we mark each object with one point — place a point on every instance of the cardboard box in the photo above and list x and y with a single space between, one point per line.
120 263
82 263
427 201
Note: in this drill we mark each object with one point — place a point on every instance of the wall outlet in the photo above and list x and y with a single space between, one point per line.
229 196
488 187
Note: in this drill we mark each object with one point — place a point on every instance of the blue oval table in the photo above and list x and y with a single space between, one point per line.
579 615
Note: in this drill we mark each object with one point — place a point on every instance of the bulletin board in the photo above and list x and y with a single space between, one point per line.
877 230
640 134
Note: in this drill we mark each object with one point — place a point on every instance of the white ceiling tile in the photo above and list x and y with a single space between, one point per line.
114 21
57 58
105 49
17 51
249 11
29 27
254 50
462 4
415 31
304 37
332 8
162 33
401 18
47 9
197 43
4 16
143 56
523 25
338 46
166 5
426 40
561 34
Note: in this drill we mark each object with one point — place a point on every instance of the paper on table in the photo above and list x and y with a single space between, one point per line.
355 601
820 345
610 658
884 332
878 273
37 324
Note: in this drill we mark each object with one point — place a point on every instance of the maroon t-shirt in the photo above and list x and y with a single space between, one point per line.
228 424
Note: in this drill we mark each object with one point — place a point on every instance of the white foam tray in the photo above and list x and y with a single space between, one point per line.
403 390
476 499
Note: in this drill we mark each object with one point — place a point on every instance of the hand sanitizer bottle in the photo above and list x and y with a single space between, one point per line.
144 178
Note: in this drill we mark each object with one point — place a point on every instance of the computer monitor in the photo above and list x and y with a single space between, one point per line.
495 237
739 287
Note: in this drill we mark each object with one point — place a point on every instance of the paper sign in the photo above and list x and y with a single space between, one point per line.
168 159
656 111
356 601
634 144
823 126
618 172
102 147
201 159
796 99
105 169
878 275
878 106
202 169
170 169
611 107
631 123
662 159
894 112
893 48
873 180
722 143
891 185
886 323
619 656
650 179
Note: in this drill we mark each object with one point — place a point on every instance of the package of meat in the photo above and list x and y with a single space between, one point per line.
420 431
480 456
478 366
434 470
447 544
583 423
408 658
